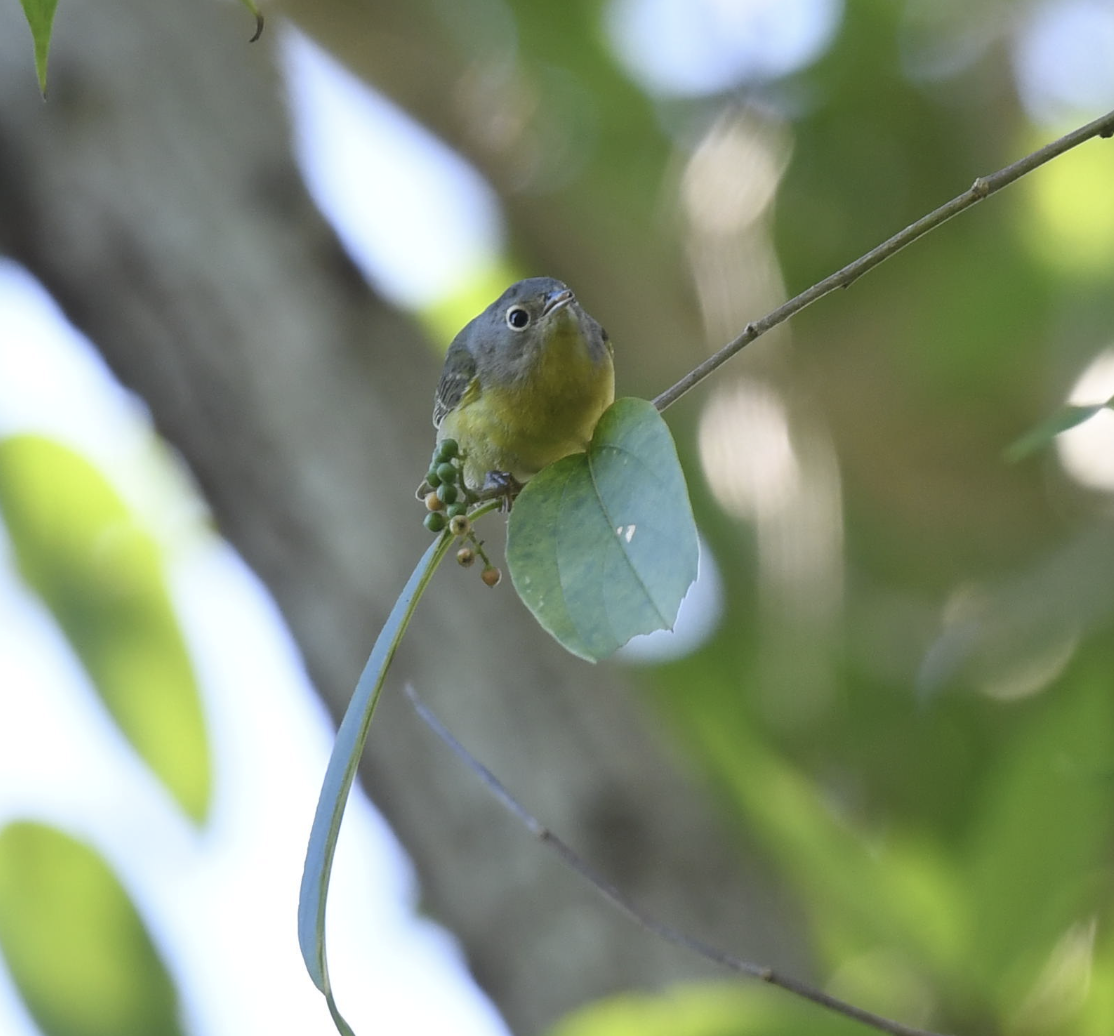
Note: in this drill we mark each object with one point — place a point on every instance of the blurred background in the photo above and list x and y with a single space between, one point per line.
877 753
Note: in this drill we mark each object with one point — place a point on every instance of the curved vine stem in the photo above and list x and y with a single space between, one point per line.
341 771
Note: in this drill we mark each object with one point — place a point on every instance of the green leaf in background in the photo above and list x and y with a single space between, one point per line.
602 545
76 948
1041 833
1039 437
40 17
907 898
706 1009
101 575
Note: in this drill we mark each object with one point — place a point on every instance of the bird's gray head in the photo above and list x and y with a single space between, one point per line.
517 325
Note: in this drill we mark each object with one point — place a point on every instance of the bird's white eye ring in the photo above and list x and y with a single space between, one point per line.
518 319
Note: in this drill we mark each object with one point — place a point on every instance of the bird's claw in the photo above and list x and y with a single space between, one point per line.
502 485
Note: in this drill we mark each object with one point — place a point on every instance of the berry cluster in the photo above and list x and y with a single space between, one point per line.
448 496
448 501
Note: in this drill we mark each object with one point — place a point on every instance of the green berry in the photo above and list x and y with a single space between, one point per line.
446 472
446 493
432 478
434 521
446 450
459 508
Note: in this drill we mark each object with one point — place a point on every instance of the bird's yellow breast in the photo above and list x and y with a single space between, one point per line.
545 413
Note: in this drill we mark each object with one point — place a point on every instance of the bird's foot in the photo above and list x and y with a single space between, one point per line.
501 485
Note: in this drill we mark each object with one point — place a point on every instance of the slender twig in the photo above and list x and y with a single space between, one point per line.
983 187
619 899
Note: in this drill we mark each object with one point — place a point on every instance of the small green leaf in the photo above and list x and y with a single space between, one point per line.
1063 419
40 17
341 771
602 545
102 576
75 945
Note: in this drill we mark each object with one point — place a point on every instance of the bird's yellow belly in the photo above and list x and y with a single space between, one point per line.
522 427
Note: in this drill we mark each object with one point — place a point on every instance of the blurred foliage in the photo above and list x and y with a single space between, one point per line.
949 832
102 576
909 703
704 1010
963 835
1072 228
76 947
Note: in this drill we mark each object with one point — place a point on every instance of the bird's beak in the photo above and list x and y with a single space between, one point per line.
556 300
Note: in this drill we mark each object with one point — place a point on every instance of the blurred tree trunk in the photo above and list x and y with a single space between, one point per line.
154 195
529 95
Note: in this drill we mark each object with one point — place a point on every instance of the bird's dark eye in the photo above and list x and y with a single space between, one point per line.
517 318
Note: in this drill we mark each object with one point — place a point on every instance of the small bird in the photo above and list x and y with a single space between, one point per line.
523 384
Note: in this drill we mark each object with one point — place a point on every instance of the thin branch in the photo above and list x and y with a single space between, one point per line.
983 187
618 899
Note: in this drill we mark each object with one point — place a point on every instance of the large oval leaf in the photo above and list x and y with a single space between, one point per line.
102 576
602 545
75 945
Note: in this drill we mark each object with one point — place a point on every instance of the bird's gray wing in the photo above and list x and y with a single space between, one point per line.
457 375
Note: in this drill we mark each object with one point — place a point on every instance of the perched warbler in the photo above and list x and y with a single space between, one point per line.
524 384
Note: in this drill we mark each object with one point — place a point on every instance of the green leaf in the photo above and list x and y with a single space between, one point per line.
102 576
859 896
75 945
704 1009
602 545
1061 421
40 17
1040 832
341 771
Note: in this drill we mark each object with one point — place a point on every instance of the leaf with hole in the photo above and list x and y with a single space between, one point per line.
602 545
